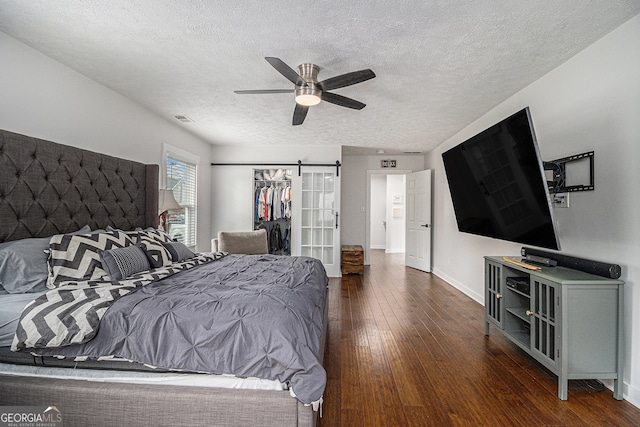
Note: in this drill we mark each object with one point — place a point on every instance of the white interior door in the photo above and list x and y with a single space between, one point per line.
316 212
418 224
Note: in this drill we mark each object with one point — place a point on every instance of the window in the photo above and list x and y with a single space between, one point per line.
181 177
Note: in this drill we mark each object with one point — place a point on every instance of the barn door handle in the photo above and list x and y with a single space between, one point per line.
336 220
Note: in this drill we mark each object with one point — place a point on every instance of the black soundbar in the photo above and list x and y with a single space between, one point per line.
612 271
535 259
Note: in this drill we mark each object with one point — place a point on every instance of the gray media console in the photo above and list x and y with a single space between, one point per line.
568 320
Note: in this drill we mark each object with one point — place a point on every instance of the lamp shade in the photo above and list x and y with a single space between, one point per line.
166 201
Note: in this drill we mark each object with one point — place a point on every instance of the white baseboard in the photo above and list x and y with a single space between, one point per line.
632 395
394 251
459 286
377 247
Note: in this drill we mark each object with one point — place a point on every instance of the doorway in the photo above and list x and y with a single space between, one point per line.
385 220
387 213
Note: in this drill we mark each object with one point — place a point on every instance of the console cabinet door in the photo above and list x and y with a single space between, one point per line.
494 302
545 322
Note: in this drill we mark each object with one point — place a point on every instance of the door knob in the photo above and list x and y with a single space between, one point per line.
424 225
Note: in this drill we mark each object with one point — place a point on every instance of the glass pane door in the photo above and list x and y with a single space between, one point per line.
543 331
319 218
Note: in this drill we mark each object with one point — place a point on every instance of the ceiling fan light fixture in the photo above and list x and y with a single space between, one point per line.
308 95
308 99
309 91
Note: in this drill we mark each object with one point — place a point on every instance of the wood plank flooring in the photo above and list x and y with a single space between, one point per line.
407 349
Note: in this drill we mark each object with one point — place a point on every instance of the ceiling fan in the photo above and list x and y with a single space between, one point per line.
309 91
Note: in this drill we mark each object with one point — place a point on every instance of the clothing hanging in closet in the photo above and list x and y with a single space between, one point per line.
272 202
272 208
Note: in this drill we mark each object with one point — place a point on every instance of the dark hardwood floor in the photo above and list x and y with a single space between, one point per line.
407 349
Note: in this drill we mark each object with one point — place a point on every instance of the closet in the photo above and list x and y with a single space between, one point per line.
272 193
308 223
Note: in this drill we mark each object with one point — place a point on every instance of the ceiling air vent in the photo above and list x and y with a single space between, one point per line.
184 119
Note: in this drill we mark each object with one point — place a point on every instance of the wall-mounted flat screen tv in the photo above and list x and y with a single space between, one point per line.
498 185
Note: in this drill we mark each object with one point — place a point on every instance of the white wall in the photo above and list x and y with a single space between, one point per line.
232 186
592 102
45 99
378 211
395 225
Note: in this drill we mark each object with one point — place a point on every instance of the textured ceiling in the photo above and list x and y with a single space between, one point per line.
439 64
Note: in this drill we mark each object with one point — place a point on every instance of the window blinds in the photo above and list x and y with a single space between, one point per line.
182 179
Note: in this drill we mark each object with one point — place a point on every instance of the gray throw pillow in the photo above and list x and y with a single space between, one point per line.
120 263
243 242
179 252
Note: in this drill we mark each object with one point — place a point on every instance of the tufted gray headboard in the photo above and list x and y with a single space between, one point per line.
48 188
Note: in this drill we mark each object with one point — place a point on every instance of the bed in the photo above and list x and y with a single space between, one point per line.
214 315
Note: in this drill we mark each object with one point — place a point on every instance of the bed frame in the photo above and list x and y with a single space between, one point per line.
48 188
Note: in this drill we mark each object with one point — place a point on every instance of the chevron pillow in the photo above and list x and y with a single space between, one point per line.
154 233
133 234
76 258
157 254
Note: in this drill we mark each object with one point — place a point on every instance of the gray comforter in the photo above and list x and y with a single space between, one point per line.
246 315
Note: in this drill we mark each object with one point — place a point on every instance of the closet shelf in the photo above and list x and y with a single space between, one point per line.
299 165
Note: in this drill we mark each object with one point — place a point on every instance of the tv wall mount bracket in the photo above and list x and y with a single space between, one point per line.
559 170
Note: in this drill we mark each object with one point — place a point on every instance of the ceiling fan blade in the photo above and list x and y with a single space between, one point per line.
342 101
347 79
299 113
286 71
261 91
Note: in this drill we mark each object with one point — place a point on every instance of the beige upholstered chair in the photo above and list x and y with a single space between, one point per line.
241 242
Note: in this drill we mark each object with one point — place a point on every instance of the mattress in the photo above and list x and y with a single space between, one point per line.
142 377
